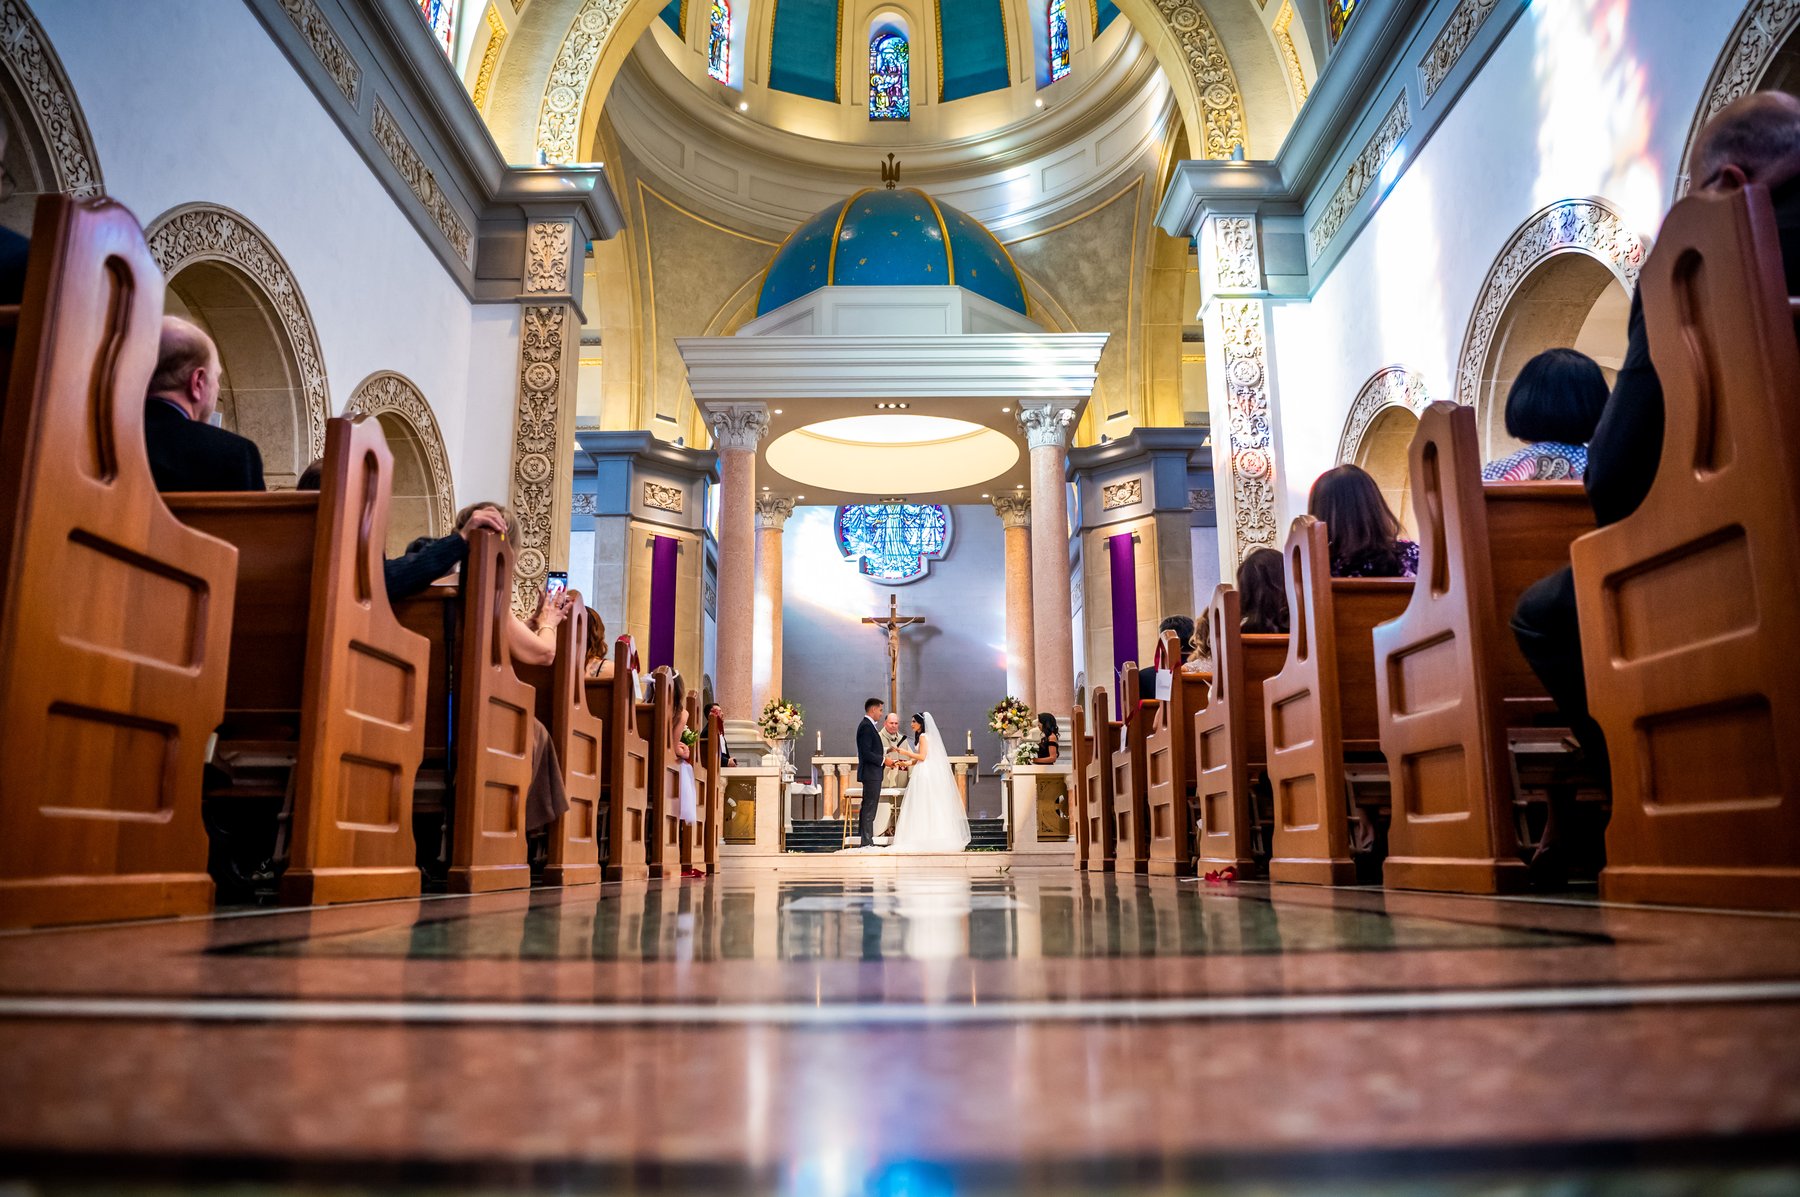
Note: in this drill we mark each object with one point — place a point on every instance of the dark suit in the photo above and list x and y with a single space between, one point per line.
870 754
188 455
1622 462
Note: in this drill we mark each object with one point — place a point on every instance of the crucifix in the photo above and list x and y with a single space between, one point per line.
893 623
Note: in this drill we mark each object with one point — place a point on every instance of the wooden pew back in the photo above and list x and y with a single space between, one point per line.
712 787
1102 829
1230 744
575 734
115 620
1131 803
668 843
1449 677
1322 706
1688 606
1082 749
320 665
627 776
1169 766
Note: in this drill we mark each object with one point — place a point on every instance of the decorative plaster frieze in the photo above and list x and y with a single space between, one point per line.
208 233
1236 256
1251 447
1451 41
1391 386
50 99
1122 494
710 597
1290 53
549 250
543 344
418 176
1215 85
559 115
1581 225
1014 510
1360 176
662 498
1764 28
1201 500
738 425
490 56
585 503
1046 426
772 512
388 393
326 46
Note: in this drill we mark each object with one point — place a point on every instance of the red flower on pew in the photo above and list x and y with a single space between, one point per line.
1221 876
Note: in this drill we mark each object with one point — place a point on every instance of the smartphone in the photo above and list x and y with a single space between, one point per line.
556 582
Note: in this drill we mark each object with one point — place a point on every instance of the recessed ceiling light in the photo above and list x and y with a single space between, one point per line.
1006 411
1040 103
743 105
778 411
1021 486
765 488
984 496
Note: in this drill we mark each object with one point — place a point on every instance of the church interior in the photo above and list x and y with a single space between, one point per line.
900 597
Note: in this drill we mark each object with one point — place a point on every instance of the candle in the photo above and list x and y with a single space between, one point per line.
821 734
968 741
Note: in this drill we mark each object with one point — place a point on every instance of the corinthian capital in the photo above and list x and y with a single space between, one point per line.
772 511
1046 426
1014 510
738 425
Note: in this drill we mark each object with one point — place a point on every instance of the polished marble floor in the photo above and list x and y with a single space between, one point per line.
919 1033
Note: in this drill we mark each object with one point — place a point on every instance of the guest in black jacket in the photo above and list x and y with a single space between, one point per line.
186 452
1754 140
426 559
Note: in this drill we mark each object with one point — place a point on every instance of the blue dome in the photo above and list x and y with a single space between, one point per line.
900 238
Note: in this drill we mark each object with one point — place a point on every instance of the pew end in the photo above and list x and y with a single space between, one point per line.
1229 745
1131 803
626 788
573 848
1169 767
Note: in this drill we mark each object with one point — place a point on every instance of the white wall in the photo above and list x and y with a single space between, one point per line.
1583 98
191 101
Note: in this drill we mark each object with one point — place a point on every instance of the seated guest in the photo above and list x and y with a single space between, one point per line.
186 452
1183 627
1553 406
725 757
425 560
1755 139
1365 535
598 667
1200 658
1047 739
1262 593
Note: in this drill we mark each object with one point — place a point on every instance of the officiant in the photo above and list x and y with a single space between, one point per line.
893 779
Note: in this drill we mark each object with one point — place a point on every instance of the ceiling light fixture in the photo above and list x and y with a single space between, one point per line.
1006 411
743 105
1040 103
778 411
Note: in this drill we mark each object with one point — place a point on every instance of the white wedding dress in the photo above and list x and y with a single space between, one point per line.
931 815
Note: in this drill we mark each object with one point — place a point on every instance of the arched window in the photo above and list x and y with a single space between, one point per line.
441 16
893 542
890 82
1059 39
718 42
1337 15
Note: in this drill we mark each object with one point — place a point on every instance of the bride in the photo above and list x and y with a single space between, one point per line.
931 814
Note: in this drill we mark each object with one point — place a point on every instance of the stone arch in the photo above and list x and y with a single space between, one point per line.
50 149
1565 278
1761 51
224 273
424 495
1378 434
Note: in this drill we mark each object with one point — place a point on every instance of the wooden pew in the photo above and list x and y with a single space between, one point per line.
1101 852
114 618
323 679
668 838
1690 607
626 779
1131 802
1169 767
1321 707
1230 739
575 734
1449 681
1081 746
712 786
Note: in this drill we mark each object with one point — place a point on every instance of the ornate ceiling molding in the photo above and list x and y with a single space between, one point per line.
194 233
1220 104
490 57
1391 386
388 393
559 114
326 46
37 71
1765 25
1586 226
1290 53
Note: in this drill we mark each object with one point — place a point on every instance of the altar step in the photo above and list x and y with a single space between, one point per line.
987 834
827 835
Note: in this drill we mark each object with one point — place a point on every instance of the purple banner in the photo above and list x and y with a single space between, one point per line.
663 553
1122 549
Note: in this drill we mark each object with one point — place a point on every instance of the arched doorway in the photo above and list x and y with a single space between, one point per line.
225 276
1378 435
423 498
50 149
1762 54
1564 280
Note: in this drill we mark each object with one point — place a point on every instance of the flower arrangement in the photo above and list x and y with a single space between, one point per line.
690 737
1009 717
1028 750
780 720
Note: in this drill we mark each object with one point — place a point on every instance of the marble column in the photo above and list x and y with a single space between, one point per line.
1015 517
772 512
736 430
1053 636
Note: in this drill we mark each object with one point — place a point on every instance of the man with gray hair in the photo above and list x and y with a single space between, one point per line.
186 452
1755 139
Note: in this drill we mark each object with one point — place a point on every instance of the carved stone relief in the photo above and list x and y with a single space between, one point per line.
1249 427
391 393
1764 27
326 45
1122 494
773 512
1359 176
1235 258
1214 83
543 342
559 115
1014 510
738 425
34 66
490 56
207 233
585 502
1290 54
1046 427
1200 500
549 248
1451 41
1391 386
662 498
418 176
1569 226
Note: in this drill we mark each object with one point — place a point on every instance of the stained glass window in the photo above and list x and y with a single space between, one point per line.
890 87
894 542
718 43
1337 15
441 16
1059 39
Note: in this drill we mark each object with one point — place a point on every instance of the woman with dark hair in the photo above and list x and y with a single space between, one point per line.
1554 406
1183 627
597 667
1047 739
1262 593
1365 535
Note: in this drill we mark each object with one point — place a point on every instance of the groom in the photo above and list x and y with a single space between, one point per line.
871 760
